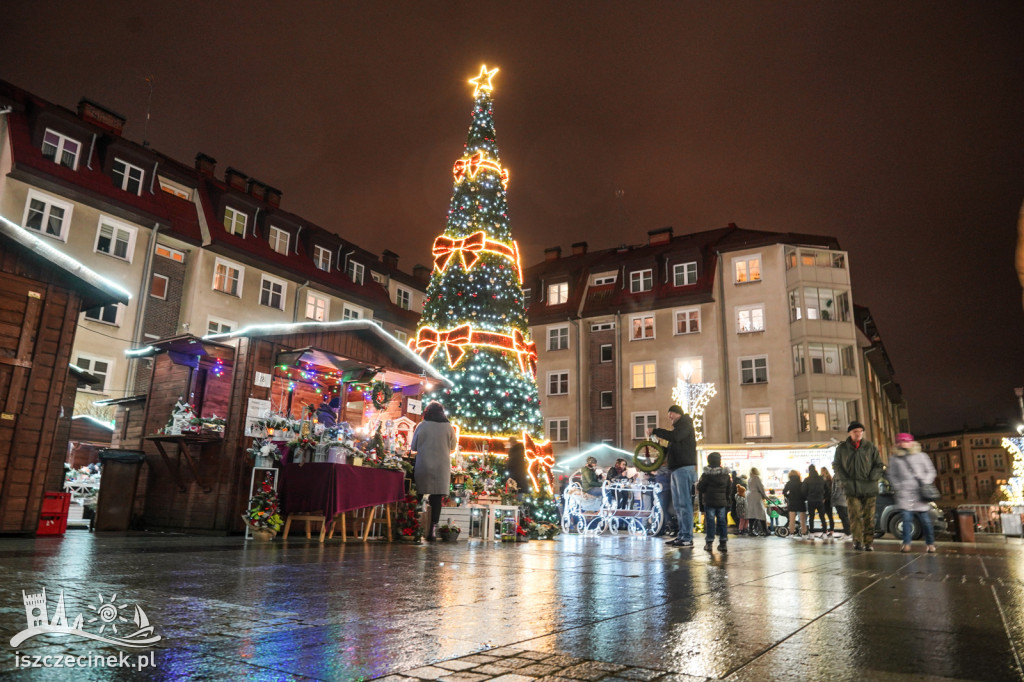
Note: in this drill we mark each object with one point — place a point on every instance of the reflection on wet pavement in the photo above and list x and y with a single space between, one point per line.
609 608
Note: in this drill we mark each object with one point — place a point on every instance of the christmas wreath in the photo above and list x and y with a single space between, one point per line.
648 456
380 394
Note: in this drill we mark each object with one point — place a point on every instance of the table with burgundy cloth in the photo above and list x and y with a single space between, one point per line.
335 489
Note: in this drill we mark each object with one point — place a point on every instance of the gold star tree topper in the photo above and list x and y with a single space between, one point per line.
483 81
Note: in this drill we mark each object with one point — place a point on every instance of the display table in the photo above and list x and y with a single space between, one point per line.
327 490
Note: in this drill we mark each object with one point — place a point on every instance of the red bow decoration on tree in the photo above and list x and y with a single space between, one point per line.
453 342
539 460
467 249
527 353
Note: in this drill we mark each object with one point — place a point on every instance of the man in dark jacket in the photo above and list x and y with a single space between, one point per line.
717 490
681 457
859 466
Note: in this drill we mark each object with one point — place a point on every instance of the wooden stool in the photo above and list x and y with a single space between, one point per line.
367 521
307 517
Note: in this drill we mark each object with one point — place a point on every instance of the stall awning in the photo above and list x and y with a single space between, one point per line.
351 370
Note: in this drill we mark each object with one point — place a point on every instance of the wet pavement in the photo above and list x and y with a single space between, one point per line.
608 608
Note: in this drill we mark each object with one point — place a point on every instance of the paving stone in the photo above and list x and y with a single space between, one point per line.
639 674
590 670
538 669
456 664
534 655
428 672
464 676
513 677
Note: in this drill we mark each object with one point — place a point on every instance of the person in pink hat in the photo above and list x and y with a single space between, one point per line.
909 468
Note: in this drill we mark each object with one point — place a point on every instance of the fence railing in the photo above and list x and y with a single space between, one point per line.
989 518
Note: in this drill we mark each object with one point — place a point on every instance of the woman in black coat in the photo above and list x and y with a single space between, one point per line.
814 490
796 502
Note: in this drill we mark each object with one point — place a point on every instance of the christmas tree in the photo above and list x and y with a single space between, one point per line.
473 328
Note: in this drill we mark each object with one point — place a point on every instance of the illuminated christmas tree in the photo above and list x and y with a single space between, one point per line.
473 328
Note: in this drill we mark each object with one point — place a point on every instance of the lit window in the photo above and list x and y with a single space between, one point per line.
641 280
642 327
115 239
227 277
747 269
322 258
684 274
401 336
606 352
168 252
355 271
607 400
558 383
279 240
317 307
558 293
833 414
61 149
688 321
158 287
349 313
235 221
127 176
643 422
99 368
749 318
754 370
171 187
643 374
823 304
47 215
757 424
403 297
272 292
215 325
690 370
558 430
107 314
558 338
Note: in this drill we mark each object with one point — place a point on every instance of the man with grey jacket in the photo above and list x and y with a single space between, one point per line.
859 466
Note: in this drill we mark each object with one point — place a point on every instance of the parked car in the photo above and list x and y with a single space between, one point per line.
889 519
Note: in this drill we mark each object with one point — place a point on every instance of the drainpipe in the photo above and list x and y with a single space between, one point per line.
92 146
254 219
344 264
618 366
140 311
579 384
298 290
152 178
297 233
725 350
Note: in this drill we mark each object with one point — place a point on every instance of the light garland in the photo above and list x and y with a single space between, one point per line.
694 398
468 250
455 342
1014 487
469 166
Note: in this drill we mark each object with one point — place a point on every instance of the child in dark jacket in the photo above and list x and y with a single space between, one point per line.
717 490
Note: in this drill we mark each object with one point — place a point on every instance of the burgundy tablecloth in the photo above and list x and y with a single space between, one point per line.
337 488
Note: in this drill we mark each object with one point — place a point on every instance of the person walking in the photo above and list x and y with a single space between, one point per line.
755 504
814 486
741 510
433 441
828 500
681 454
908 470
858 465
796 503
717 490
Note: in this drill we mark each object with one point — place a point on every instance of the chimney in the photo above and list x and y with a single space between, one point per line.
256 189
421 272
205 164
235 178
390 259
553 253
579 248
273 196
91 112
662 236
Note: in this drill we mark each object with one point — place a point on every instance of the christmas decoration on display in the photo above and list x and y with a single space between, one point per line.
1013 491
648 456
693 397
263 509
380 394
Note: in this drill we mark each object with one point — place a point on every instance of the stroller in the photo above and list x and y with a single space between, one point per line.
777 510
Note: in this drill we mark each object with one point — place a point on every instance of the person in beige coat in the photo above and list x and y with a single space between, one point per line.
755 504
433 441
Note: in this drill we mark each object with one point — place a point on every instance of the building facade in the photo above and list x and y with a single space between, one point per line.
885 410
970 463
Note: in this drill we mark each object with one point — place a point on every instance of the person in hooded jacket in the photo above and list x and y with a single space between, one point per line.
717 491
908 469
796 503
814 489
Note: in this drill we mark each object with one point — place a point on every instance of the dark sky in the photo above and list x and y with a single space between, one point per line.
896 127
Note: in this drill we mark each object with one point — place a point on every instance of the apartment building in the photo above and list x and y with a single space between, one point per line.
201 254
970 463
885 410
766 317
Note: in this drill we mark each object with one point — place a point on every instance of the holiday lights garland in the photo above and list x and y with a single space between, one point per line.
455 342
469 250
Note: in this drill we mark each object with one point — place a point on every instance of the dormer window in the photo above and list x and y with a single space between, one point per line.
279 240
234 221
61 149
684 274
355 271
128 177
641 280
558 293
174 188
322 258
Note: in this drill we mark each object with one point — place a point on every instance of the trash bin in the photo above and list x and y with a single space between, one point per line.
965 521
118 483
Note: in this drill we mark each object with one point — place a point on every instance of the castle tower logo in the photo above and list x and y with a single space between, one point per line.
109 619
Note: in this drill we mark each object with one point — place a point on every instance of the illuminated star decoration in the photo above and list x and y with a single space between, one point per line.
483 81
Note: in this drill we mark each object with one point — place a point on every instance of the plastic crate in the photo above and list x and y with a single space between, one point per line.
53 517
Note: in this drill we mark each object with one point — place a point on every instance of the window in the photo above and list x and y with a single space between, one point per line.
982 461
127 176
322 259
558 293
158 287
602 326
799 360
227 277
684 274
829 358
688 321
279 240
403 297
757 423
607 400
606 352
558 430
641 280
819 304
115 239
643 374
527 295
833 414
61 149
378 278
401 336
747 269
99 368
168 252
350 313
317 307
690 370
47 215
272 292
171 187
558 338
749 318
803 416
107 314
642 327
754 370
643 422
355 271
216 325
558 383
235 221
997 460
601 280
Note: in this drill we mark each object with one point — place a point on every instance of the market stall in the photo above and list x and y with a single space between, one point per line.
773 460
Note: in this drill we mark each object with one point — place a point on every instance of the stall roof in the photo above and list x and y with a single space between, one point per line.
404 358
185 343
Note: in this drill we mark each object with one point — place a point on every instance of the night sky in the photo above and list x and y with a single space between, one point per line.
896 127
